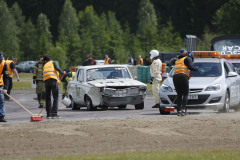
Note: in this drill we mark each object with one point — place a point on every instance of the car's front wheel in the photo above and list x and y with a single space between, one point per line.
226 106
74 105
139 106
88 102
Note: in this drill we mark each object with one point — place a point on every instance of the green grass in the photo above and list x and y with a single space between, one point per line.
25 82
161 155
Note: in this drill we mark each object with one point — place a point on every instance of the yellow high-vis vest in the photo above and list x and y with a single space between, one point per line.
1 69
181 68
10 71
106 61
50 72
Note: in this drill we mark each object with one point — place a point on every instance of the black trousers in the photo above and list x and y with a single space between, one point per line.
181 84
51 86
9 86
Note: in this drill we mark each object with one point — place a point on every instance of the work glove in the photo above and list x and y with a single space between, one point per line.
34 81
151 80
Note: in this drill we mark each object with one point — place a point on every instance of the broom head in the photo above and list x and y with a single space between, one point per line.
169 109
36 118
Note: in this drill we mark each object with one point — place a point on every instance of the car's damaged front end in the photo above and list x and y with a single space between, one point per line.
123 95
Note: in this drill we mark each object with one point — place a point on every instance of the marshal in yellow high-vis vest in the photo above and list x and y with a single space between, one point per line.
50 72
181 68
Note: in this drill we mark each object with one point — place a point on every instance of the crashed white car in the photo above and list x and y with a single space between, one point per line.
105 86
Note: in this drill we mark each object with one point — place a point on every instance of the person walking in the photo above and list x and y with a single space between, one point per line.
4 83
156 78
107 60
38 80
11 69
183 66
140 60
51 80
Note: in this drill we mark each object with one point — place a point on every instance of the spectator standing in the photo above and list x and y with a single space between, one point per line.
130 60
89 60
11 69
140 60
107 60
4 82
51 79
38 80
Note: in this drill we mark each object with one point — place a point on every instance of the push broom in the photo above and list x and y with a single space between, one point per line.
34 117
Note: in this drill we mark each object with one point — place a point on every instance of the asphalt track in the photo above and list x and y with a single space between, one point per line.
16 114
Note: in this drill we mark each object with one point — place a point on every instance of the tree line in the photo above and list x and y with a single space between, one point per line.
85 30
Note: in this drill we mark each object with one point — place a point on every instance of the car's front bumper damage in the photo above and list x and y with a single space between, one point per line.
115 96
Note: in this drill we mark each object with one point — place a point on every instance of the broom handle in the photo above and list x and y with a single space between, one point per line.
41 110
18 103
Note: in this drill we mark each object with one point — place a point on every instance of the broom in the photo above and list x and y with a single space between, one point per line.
34 117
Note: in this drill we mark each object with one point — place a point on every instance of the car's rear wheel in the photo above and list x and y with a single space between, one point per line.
139 106
226 106
74 105
88 102
122 106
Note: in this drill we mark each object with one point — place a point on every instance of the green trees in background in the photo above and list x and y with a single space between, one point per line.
227 18
147 31
69 39
9 42
87 31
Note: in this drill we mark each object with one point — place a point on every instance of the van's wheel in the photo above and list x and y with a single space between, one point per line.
226 106
74 105
139 106
88 102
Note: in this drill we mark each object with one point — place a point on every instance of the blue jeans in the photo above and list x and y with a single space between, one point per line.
2 105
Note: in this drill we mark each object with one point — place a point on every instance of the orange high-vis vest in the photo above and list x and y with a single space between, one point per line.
140 61
1 69
106 61
181 68
10 71
50 72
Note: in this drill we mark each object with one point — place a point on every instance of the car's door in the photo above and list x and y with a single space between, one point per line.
232 83
79 87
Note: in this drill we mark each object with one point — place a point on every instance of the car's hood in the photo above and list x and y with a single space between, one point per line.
116 82
196 82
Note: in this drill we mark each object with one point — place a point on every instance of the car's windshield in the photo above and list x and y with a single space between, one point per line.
107 73
205 69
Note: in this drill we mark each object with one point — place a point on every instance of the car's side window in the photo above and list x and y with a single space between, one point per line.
232 67
226 69
80 75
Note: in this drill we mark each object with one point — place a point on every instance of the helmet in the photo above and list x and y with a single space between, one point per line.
153 54
191 54
66 101
182 51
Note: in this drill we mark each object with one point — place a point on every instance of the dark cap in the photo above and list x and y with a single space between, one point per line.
1 55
